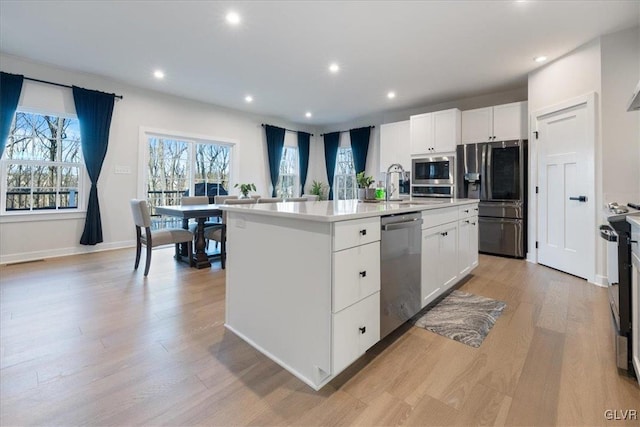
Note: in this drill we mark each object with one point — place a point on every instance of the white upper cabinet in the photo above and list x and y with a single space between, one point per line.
437 132
498 123
394 145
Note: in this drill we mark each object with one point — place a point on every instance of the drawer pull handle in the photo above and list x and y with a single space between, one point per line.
363 232
363 329
363 273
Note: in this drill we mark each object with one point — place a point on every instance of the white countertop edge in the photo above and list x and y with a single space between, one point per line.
634 220
368 209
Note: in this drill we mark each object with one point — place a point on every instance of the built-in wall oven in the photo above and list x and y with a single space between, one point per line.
433 176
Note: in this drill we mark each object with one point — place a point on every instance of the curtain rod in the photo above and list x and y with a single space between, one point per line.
288 130
343 131
60 84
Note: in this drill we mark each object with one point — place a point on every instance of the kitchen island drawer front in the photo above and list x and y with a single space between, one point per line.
356 274
355 329
435 217
467 211
347 234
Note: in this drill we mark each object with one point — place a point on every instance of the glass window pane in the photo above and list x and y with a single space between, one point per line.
211 173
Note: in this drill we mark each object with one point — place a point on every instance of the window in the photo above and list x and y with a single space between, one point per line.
42 165
178 167
344 182
288 176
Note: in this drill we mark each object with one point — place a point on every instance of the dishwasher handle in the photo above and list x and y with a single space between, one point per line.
401 225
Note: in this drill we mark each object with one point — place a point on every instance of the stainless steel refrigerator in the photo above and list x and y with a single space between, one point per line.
495 173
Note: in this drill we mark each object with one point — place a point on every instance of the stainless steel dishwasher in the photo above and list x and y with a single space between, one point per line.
400 262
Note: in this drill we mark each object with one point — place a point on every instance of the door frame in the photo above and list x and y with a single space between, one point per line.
593 172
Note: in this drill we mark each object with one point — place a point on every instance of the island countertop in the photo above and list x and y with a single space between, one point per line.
342 210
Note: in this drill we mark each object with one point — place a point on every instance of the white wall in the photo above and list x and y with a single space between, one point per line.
609 67
620 129
59 235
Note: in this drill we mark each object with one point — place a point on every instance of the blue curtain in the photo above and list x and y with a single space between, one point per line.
303 151
94 110
275 145
331 143
10 87
360 147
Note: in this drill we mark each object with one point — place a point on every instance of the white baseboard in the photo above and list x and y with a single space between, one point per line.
74 250
601 281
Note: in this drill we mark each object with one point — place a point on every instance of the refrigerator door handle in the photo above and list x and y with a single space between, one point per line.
489 172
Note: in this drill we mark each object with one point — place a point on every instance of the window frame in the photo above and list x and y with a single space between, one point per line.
337 177
295 175
45 214
143 154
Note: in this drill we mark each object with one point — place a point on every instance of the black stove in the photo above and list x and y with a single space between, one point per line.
618 236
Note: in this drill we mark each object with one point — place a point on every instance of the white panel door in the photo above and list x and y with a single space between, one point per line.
446 130
566 193
394 145
431 282
421 134
510 121
477 125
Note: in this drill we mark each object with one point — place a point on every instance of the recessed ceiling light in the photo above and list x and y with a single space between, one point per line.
158 74
334 68
541 58
391 95
248 98
307 114
233 18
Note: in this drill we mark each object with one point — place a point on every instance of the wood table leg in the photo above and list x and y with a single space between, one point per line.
200 258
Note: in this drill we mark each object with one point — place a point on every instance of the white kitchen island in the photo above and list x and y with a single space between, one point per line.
303 278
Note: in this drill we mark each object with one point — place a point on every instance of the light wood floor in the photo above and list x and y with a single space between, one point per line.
86 340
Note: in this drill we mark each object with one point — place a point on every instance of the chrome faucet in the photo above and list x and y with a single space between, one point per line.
394 168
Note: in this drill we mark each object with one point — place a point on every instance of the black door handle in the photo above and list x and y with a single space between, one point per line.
579 198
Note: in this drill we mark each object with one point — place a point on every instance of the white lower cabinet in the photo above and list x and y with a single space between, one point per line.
439 260
467 245
635 299
355 330
449 248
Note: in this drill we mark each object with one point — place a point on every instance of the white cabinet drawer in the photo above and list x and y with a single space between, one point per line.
435 217
355 329
347 234
356 274
466 211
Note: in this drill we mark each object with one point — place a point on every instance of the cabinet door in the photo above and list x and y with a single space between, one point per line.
449 254
355 329
510 121
431 284
477 125
394 145
421 132
473 243
635 313
446 130
464 246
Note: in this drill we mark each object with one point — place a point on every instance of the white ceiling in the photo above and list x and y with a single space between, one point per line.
426 51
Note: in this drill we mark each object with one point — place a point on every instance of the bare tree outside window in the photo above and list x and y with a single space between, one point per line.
344 182
44 165
287 186
177 168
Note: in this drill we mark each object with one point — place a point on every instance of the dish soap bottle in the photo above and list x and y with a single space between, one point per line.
380 192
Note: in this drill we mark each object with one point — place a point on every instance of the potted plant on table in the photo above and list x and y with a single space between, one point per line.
245 189
317 189
364 182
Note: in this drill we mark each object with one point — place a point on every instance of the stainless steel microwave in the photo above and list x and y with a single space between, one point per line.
433 170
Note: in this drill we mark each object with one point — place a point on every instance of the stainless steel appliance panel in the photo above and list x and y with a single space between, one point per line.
446 191
501 209
501 236
503 171
400 264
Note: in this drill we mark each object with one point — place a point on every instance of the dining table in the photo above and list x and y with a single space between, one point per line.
200 213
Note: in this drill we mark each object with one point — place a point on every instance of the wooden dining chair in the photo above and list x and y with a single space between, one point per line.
153 238
219 234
